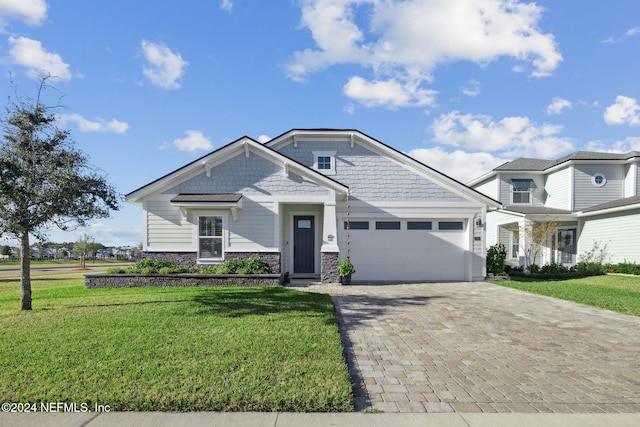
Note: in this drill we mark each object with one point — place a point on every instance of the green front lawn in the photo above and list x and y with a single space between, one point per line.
172 349
616 293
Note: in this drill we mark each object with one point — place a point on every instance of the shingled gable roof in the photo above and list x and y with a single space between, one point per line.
540 165
283 138
246 143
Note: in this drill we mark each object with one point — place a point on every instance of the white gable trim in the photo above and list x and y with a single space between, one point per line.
244 145
356 137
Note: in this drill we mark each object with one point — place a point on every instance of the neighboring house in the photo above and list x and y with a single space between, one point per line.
309 198
594 197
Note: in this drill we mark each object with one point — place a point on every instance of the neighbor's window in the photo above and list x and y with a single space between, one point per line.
599 180
521 191
210 237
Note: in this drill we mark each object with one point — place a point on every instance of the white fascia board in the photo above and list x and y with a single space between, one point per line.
296 135
403 159
609 211
185 172
478 180
418 204
243 145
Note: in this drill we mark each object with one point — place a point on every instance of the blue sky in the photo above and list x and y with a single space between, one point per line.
461 85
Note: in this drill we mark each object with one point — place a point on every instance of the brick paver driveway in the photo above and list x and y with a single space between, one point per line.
478 347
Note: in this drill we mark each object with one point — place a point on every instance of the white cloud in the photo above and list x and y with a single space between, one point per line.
389 93
264 138
30 54
511 136
226 5
163 67
194 141
97 125
557 105
402 42
624 111
472 88
631 143
31 12
633 31
458 164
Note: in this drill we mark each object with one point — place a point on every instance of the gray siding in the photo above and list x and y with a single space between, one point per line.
488 187
617 232
586 194
506 186
558 190
253 227
166 226
253 176
370 176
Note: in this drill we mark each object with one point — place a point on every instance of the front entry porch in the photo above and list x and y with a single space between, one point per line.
307 239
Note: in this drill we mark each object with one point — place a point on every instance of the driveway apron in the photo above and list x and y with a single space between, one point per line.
479 347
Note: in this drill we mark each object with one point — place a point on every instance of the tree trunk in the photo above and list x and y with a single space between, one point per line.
25 272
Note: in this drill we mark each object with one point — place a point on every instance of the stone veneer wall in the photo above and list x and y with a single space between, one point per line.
178 258
191 258
93 281
329 267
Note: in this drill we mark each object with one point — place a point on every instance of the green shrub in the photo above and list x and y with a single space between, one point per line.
589 266
626 268
150 266
251 265
256 265
553 268
496 255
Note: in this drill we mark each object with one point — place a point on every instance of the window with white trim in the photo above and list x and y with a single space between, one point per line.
210 245
515 244
325 162
598 179
521 190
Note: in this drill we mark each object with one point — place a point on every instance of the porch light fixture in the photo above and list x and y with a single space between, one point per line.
478 223
330 237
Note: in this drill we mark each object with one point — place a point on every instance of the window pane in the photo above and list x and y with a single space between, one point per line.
419 225
450 225
324 162
210 226
357 225
387 225
210 247
304 223
521 196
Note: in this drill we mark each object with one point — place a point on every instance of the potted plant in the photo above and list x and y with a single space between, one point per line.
345 270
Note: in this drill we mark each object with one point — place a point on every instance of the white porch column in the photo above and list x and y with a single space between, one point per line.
329 228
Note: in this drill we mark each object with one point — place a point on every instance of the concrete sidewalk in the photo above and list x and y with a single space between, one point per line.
254 419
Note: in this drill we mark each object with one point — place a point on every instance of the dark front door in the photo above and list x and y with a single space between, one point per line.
303 244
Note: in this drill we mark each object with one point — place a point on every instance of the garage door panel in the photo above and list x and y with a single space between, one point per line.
410 255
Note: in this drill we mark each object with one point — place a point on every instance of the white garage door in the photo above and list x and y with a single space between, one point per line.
411 250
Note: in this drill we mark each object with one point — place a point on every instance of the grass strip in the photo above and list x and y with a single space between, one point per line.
611 292
172 349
